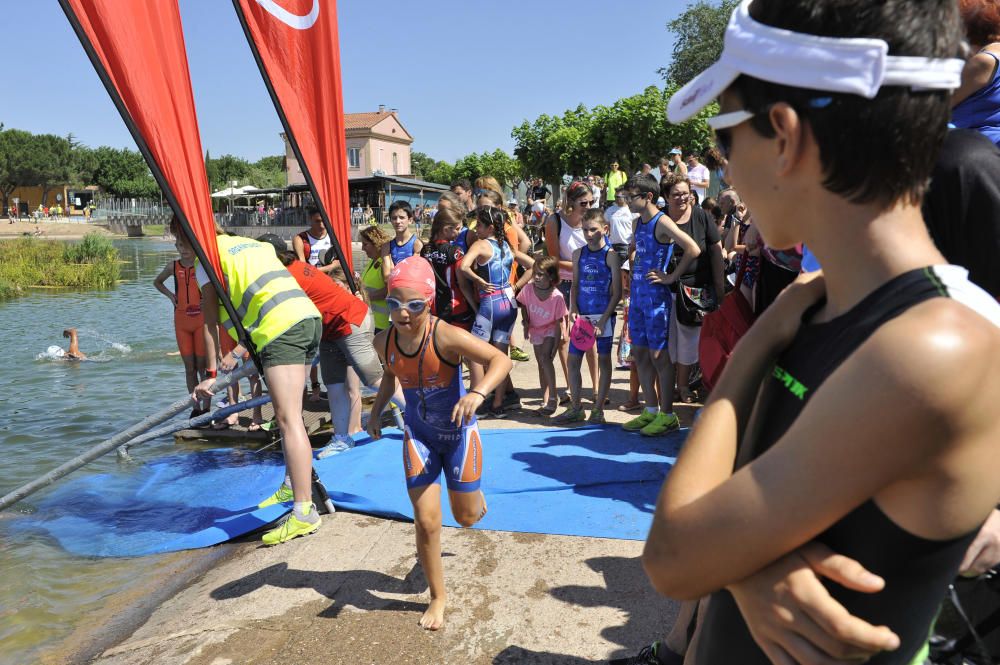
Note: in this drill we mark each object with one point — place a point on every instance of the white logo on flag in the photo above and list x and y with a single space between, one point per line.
288 18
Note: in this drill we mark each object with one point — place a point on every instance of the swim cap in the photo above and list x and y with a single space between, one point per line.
413 272
582 334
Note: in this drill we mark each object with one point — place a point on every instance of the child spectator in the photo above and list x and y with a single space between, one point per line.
406 243
544 309
597 289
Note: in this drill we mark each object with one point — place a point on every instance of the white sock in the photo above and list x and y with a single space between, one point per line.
303 507
652 411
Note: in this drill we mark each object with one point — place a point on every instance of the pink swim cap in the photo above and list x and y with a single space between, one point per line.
582 334
413 272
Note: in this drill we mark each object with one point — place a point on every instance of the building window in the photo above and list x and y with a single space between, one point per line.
395 164
354 158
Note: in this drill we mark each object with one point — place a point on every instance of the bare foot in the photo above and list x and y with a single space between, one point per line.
433 618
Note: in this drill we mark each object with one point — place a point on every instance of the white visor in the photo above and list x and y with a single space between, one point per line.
856 66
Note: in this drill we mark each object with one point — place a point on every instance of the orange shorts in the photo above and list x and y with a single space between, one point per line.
188 330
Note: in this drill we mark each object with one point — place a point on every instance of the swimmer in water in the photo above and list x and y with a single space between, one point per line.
73 352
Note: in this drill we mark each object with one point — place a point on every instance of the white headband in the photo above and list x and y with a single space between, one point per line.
856 66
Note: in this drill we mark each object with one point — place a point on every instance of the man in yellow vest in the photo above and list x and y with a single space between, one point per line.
612 181
284 326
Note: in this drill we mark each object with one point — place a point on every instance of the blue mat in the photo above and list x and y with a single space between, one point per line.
591 481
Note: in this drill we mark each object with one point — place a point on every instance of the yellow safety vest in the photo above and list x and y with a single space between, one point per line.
372 278
613 181
266 297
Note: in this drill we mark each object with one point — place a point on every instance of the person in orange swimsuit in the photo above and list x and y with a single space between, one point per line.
424 355
188 319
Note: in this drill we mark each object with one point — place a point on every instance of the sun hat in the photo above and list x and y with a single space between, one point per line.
582 334
851 65
675 151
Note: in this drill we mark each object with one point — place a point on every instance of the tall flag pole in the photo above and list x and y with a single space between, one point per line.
138 51
297 49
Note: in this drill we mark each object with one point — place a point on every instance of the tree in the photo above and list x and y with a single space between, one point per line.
15 162
421 165
123 172
698 34
52 161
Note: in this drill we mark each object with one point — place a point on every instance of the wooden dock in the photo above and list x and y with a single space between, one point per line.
316 416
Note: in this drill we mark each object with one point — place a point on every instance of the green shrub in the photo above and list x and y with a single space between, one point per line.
26 262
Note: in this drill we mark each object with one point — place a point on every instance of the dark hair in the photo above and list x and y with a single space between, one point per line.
709 203
896 134
594 215
712 158
550 266
463 183
670 181
494 197
497 218
310 211
646 184
981 19
400 205
444 217
280 247
576 191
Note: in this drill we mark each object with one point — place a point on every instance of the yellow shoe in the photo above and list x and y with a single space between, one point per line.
283 495
292 527
638 423
662 424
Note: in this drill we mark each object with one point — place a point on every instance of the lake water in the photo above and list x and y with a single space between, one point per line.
52 410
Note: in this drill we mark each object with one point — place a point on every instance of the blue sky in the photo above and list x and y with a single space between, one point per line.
462 74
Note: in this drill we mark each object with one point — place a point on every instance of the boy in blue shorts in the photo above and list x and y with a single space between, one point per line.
653 239
596 292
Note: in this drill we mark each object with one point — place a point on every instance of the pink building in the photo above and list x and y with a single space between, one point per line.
377 144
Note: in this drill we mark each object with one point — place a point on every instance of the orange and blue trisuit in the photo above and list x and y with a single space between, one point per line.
188 319
431 441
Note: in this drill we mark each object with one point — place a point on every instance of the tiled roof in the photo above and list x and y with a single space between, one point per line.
364 120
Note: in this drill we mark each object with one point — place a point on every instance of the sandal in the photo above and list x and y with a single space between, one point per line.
687 397
630 406
545 411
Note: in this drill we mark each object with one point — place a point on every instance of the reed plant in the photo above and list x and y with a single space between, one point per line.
30 262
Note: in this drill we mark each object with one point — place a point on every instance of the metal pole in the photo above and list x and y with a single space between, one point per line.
118 439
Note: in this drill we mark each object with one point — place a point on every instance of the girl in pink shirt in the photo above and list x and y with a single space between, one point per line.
544 309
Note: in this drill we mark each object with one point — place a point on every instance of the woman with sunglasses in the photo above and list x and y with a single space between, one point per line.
489 265
425 356
563 236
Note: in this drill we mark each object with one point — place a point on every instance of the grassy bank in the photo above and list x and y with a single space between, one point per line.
27 262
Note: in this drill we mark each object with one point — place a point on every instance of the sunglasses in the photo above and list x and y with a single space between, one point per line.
585 204
412 306
722 125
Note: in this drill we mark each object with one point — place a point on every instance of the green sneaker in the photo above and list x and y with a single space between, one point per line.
662 424
597 417
569 416
292 527
517 354
283 495
638 423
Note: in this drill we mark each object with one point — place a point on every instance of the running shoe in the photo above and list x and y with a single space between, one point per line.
639 422
498 411
283 495
339 444
570 416
512 400
292 527
648 655
662 424
597 417
517 354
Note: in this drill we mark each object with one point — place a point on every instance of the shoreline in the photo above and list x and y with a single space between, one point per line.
353 592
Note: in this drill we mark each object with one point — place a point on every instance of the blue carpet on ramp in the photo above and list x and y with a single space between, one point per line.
592 481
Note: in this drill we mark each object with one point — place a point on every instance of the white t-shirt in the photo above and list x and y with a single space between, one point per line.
699 172
620 219
596 191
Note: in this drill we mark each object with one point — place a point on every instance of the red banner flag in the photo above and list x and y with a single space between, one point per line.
297 49
138 51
